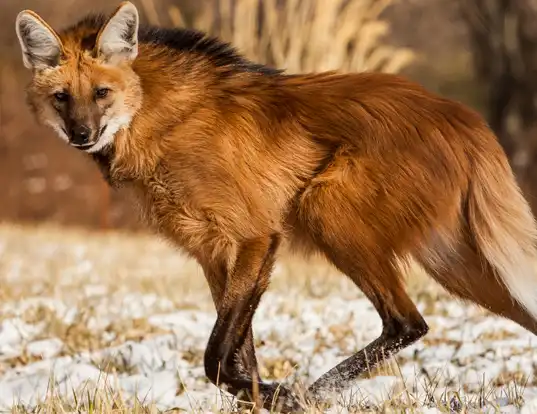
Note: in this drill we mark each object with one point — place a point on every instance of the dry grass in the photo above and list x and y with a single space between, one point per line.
69 264
301 35
91 257
92 271
106 400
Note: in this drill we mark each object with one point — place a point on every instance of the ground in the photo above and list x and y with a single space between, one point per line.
116 322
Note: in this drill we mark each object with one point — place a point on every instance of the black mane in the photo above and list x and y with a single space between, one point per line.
220 53
194 41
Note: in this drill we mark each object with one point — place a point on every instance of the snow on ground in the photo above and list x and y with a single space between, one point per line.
149 346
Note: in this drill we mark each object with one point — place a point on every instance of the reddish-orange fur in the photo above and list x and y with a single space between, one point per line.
364 168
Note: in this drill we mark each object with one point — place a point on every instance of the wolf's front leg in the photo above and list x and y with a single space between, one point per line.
227 344
217 274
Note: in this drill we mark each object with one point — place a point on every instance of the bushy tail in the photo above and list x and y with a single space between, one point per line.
504 228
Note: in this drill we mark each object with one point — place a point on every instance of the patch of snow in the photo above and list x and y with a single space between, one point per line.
45 348
13 333
312 335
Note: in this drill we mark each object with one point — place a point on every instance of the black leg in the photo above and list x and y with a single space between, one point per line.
388 344
401 320
216 275
243 291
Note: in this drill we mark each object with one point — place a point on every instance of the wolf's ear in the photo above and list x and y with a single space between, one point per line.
118 38
41 46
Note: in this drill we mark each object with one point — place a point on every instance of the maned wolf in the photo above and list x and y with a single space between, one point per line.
228 158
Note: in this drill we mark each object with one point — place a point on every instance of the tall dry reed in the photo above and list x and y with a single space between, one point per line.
301 35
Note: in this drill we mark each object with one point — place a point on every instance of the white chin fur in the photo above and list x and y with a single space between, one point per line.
112 127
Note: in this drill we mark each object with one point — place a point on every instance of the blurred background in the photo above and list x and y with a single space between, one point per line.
481 52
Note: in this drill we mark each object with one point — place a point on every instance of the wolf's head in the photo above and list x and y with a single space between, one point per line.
83 84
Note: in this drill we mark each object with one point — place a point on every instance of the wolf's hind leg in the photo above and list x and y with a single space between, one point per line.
402 324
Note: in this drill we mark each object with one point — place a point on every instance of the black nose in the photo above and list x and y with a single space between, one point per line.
80 135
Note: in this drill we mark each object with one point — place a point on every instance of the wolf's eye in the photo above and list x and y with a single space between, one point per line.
61 96
101 92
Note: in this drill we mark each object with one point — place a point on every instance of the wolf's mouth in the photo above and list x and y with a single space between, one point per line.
84 146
